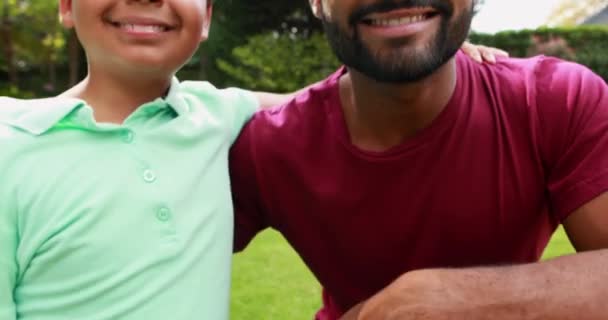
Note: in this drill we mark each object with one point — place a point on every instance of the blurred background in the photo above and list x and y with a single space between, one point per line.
277 45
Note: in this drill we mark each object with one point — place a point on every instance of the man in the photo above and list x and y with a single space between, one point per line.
416 184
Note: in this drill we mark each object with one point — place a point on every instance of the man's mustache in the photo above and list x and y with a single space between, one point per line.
442 7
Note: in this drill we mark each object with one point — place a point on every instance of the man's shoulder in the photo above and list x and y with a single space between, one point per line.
553 82
523 84
308 110
532 71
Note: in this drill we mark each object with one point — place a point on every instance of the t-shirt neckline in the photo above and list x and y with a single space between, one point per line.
442 122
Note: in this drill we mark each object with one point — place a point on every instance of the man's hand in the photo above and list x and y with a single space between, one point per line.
353 313
418 295
481 53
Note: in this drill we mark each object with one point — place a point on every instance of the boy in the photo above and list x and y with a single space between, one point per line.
115 196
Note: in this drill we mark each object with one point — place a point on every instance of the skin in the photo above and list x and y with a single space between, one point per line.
381 115
119 60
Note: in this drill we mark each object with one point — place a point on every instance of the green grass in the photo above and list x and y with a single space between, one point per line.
271 282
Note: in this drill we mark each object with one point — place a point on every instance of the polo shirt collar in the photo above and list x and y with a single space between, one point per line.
175 100
39 115
36 116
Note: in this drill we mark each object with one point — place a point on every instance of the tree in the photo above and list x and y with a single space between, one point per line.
6 37
31 39
280 62
573 12
235 21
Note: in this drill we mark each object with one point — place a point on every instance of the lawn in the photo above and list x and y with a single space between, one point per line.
271 282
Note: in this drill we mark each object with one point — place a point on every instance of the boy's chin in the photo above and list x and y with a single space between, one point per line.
148 65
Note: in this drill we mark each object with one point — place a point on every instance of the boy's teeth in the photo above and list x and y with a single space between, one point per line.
142 28
397 21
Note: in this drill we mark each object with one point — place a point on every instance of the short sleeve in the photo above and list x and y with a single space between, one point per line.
8 247
245 105
232 107
572 106
248 205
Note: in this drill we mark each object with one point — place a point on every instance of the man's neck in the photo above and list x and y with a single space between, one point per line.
380 116
115 97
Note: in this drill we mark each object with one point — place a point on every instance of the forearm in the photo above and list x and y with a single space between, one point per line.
269 100
572 287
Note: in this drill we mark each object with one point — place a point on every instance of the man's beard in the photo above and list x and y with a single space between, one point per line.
402 64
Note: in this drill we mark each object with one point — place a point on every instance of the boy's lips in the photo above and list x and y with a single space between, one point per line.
141 25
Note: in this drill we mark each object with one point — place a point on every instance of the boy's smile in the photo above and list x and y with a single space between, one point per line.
135 37
141 27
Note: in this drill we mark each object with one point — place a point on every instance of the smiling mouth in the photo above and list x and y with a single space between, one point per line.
398 18
140 27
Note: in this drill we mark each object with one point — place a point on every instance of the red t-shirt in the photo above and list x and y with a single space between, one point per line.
520 146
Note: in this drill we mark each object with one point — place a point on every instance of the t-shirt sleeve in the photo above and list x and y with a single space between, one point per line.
245 105
248 208
8 264
572 104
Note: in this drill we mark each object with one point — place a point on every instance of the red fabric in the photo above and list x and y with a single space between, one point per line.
520 146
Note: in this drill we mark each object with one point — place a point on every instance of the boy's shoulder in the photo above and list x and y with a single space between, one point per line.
230 108
33 116
213 97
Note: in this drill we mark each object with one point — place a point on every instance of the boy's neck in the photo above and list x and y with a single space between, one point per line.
113 98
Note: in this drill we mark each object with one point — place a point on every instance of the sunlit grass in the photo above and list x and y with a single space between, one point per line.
271 282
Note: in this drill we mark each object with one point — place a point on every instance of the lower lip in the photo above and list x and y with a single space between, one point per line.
400 31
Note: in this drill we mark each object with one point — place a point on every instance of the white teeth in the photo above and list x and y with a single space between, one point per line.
143 28
398 21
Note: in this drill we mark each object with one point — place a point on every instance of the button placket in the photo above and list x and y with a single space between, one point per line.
163 214
165 218
128 136
149 176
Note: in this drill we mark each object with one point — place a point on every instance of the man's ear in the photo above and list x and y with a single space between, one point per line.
315 5
65 13
207 22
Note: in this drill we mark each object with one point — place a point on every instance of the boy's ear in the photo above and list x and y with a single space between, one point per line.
65 13
207 22
315 5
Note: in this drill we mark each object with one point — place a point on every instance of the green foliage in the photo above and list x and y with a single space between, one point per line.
235 21
280 62
33 43
15 92
586 45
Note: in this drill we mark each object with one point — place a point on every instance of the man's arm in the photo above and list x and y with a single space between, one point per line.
566 288
478 53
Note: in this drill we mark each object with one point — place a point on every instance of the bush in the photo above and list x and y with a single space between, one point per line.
586 45
15 92
280 62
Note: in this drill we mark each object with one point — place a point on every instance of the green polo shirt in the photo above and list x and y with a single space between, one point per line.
131 221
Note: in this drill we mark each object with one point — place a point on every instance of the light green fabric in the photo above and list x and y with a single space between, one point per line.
132 221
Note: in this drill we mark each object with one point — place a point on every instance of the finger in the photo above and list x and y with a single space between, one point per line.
497 52
488 56
472 51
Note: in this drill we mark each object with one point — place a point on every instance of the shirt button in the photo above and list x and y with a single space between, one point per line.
163 214
149 176
128 136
